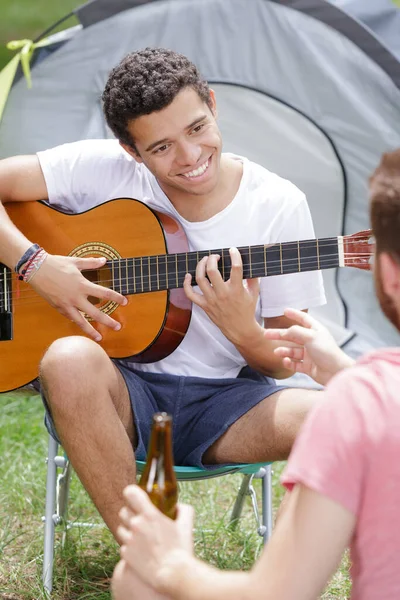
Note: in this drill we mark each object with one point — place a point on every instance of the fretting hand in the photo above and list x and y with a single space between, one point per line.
60 281
229 304
315 351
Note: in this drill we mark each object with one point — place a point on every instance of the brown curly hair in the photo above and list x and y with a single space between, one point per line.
146 81
385 204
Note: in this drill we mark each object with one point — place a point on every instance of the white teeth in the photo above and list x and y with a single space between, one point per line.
198 171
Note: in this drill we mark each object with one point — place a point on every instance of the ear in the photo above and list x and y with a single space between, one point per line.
390 275
131 152
213 104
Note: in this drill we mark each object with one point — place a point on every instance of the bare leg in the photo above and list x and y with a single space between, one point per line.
267 431
127 586
92 413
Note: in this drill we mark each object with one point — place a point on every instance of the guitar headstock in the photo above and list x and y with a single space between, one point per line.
359 249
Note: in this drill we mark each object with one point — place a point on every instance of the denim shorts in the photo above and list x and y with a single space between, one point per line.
202 409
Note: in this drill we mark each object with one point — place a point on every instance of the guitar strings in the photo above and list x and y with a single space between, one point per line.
278 246
162 277
144 277
153 258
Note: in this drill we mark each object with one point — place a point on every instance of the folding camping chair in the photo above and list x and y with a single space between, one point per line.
57 492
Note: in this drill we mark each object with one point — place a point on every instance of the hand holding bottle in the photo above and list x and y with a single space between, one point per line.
153 545
155 534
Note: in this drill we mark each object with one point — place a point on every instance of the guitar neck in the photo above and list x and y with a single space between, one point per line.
167 271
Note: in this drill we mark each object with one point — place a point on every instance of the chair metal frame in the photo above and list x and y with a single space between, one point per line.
57 495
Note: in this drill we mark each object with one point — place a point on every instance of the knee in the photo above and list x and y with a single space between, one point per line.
70 361
309 399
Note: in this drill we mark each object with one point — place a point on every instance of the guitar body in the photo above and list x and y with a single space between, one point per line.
153 324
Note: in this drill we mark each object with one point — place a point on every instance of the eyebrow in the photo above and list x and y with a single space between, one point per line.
164 140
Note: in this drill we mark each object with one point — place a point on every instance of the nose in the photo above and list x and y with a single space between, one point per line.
188 153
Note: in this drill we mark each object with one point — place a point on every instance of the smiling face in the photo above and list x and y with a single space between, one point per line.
181 145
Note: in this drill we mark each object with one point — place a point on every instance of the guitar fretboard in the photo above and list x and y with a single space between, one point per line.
167 271
5 303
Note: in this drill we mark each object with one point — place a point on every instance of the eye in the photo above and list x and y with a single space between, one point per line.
161 149
198 128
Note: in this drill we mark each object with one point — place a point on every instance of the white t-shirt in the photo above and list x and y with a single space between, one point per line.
266 209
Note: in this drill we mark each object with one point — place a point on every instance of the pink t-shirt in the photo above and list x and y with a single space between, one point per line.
349 451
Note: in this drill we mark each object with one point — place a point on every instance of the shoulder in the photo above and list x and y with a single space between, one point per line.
80 175
372 373
91 161
270 187
363 396
89 151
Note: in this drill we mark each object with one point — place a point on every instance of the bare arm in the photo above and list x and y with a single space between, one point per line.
59 279
21 179
304 551
259 351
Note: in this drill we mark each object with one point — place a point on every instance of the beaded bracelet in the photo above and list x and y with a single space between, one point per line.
26 256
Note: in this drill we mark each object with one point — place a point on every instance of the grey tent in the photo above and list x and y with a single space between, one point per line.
310 89
382 17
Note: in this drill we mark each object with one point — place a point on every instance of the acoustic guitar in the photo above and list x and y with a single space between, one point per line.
147 258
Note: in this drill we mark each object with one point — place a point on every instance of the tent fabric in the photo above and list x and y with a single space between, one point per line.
99 10
382 17
296 93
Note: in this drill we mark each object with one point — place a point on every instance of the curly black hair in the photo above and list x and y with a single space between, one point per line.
146 81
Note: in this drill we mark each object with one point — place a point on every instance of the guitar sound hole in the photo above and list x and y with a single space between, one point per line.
100 277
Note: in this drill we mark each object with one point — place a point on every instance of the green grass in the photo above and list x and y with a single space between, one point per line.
22 19
84 566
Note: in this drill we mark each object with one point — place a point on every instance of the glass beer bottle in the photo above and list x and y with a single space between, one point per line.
158 478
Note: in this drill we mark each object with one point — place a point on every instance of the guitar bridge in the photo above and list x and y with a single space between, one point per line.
6 321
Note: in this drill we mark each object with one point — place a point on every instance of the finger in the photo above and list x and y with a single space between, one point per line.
77 317
296 366
187 286
184 521
89 263
296 334
99 316
138 501
124 535
274 334
125 514
213 273
236 276
293 353
201 279
185 516
301 318
253 285
190 293
105 293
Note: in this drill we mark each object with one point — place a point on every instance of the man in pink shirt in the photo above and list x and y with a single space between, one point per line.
343 472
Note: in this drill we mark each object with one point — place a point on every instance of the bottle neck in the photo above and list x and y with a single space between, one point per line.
158 478
160 448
